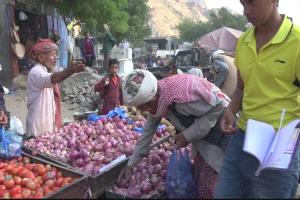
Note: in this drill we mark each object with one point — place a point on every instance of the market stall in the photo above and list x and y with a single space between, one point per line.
98 146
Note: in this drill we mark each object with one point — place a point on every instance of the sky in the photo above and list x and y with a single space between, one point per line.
289 7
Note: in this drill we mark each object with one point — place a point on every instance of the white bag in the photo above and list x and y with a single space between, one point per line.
16 125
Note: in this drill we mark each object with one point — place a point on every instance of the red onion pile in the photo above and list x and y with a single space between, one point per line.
87 145
90 145
149 175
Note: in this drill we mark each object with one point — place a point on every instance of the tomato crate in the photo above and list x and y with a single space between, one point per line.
112 195
77 189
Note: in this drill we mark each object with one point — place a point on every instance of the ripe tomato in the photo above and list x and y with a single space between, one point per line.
59 182
50 183
28 166
47 191
41 170
17 189
2 165
28 174
39 180
24 181
2 178
26 160
30 184
20 159
38 195
2 192
6 195
9 183
58 174
48 167
2 187
9 168
14 171
16 196
26 193
18 180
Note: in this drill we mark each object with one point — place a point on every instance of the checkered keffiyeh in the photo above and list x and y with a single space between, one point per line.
186 88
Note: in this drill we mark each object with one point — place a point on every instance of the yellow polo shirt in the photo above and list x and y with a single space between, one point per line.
269 76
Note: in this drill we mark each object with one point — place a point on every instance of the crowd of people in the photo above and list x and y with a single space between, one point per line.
210 116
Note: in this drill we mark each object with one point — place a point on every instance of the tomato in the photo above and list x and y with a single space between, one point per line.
30 184
50 183
54 169
48 167
39 180
59 181
2 187
67 180
2 178
49 175
18 180
26 193
28 166
14 171
6 195
26 160
24 182
20 159
28 174
9 168
38 195
41 170
2 165
59 174
21 171
15 190
2 192
9 183
47 191
16 196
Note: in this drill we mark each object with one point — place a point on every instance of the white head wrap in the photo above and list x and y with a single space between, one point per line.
136 94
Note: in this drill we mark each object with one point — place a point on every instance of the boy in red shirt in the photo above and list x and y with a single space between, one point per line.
110 88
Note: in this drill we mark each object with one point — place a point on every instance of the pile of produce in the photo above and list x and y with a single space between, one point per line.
90 145
137 116
148 179
20 178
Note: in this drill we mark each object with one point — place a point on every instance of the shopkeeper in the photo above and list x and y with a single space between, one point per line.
43 95
193 105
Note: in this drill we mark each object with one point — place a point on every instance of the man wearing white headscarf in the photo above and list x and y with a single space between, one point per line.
193 105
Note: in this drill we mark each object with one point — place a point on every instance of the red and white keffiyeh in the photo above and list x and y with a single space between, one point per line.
186 88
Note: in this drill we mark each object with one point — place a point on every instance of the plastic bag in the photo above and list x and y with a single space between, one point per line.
16 125
120 112
180 181
10 144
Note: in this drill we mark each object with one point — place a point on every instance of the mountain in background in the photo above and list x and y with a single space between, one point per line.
167 14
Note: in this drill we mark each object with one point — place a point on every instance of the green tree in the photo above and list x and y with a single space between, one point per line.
95 13
190 30
138 27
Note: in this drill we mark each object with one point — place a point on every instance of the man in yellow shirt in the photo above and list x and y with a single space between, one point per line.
268 62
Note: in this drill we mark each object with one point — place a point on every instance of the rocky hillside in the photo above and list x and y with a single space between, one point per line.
167 14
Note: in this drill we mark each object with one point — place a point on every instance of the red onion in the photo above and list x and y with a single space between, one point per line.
79 162
83 153
146 187
73 155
